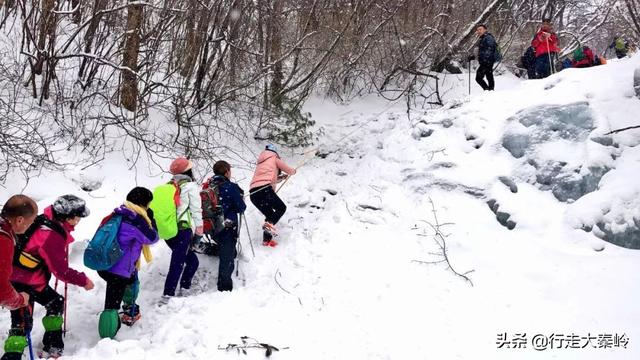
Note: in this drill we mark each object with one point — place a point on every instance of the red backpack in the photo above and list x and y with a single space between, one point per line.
212 212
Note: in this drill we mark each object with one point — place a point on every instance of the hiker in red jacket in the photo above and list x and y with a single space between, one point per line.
43 253
17 215
545 43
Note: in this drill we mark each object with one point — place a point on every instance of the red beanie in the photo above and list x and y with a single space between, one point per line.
180 165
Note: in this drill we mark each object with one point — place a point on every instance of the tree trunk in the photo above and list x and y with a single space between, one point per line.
77 13
129 86
90 34
275 51
633 13
48 22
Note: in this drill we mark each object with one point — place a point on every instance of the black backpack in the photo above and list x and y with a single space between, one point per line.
25 260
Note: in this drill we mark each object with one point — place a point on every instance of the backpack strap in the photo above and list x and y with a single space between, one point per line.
28 261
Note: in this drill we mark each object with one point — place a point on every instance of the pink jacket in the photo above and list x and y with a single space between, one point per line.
269 166
52 249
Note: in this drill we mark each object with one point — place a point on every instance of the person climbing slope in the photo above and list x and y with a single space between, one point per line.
44 252
262 189
136 232
178 213
230 198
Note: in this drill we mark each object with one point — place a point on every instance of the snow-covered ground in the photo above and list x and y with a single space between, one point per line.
348 280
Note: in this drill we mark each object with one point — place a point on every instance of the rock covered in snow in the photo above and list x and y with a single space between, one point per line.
551 139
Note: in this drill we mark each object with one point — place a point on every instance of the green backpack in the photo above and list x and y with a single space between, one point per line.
620 45
166 199
578 54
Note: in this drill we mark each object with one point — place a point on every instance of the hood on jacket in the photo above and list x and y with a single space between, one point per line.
267 154
125 212
181 177
48 212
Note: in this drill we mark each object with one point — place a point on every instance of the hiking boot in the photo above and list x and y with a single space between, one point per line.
53 353
164 300
184 292
130 314
270 243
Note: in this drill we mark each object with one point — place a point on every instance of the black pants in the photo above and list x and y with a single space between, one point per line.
116 286
226 240
269 204
485 70
22 319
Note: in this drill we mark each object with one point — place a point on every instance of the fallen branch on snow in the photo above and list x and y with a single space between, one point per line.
440 239
251 343
623 129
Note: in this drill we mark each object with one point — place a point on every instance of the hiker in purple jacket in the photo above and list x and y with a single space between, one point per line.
137 231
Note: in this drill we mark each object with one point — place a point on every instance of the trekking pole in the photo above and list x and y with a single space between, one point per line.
549 55
30 345
66 298
249 235
469 67
64 321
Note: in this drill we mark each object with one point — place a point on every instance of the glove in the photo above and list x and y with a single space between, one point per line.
471 57
199 231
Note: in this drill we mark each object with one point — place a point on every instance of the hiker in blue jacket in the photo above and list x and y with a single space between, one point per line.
487 50
230 196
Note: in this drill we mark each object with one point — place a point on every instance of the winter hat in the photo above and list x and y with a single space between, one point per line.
180 165
140 196
70 206
271 147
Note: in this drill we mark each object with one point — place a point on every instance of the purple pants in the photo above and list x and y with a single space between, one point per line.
184 262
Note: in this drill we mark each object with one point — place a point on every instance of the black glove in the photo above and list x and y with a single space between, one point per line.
471 57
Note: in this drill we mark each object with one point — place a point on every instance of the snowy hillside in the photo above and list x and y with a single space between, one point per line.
349 279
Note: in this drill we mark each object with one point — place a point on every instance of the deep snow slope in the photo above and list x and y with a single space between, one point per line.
349 281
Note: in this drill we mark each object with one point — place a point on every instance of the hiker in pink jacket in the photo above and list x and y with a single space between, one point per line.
262 189
43 253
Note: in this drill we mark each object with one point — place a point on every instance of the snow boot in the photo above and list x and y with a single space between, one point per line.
130 314
109 324
270 243
14 346
53 353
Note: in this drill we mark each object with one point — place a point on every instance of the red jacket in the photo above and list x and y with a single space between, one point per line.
542 46
589 59
9 298
52 248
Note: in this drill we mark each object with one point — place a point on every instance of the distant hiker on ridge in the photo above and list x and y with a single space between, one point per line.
262 189
620 46
487 55
545 43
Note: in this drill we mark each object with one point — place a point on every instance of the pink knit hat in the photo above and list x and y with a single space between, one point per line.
180 165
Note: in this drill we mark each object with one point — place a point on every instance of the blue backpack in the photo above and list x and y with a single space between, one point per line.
104 250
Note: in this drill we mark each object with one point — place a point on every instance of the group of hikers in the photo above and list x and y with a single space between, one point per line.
34 247
541 56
